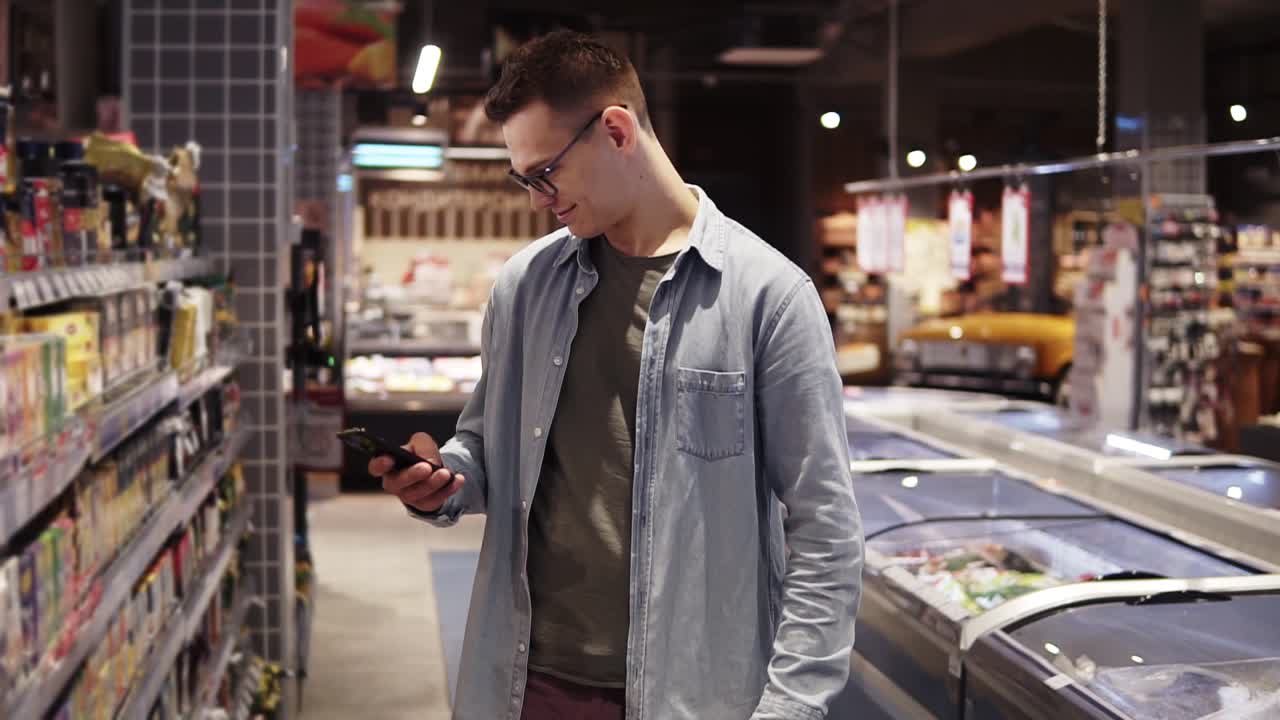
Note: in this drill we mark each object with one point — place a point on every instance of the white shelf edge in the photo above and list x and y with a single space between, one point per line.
36 698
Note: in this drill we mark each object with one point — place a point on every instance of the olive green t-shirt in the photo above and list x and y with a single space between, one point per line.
580 525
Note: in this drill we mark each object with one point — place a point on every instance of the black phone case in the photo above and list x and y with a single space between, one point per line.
362 441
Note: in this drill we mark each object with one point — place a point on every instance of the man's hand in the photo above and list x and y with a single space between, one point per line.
417 486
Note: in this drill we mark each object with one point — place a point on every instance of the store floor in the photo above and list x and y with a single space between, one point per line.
391 601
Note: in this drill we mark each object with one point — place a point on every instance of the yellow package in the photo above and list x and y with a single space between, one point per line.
79 328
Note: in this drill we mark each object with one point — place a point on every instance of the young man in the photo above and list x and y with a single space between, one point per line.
659 385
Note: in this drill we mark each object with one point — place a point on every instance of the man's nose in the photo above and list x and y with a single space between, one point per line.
540 201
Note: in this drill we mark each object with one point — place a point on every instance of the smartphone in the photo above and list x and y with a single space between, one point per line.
367 443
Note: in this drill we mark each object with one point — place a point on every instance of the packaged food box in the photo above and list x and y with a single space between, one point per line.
29 604
107 310
81 330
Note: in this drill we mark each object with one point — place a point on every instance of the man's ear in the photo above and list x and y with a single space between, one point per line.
621 127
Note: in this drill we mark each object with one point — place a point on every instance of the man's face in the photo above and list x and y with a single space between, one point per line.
587 182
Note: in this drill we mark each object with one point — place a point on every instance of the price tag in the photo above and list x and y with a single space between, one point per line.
19 290
77 283
1015 241
61 287
960 222
46 288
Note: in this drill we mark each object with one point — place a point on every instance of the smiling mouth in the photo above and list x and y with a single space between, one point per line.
562 215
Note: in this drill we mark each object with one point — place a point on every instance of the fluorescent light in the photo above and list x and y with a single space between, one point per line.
1234 492
830 120
428 63
765 56
1239 113
916 158
967 162
1128 444
345 182
956 332
391 155
477 153
910 481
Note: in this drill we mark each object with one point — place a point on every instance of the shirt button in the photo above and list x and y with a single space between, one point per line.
580 290
524 505
521 647
537 432
557 360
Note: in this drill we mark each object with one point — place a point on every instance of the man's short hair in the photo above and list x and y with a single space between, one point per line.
570 71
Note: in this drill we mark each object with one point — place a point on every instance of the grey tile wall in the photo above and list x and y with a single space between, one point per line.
213 71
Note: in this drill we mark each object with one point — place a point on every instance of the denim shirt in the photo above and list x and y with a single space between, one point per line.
746 546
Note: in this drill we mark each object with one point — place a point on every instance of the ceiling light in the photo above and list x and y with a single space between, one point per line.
956 332
830 120
770 56
419 120
428 63
916 158
967 163
1239 113
1052 649
1137 659
910 481
1235 492
1137 447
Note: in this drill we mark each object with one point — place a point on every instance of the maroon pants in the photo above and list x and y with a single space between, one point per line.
550 698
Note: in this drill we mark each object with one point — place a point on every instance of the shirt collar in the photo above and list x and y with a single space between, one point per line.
707 237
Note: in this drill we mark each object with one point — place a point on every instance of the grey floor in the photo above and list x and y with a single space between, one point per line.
379 650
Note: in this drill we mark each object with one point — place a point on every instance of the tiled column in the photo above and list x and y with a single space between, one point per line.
217 71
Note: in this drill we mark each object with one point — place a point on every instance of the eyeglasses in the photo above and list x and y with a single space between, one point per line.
540 180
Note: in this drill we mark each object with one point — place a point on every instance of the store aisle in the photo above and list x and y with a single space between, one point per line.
378 649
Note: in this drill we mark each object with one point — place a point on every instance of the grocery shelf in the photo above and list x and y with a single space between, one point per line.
185 621
36 697
27 490
222 658
24 291
242 701
202 383
117 420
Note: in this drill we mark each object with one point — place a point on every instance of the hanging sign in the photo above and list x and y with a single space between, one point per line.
896 230
960 220
870 255
1015 244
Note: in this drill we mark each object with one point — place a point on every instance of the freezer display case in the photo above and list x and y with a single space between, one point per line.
1172 656
1047 421
871 443
945 548
1247 481
889 401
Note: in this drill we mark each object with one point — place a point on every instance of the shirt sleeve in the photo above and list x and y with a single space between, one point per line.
805 456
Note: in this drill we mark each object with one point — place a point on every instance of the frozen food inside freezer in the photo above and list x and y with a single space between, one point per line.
1201 659
979 564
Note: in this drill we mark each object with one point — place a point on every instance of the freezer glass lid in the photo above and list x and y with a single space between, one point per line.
1257 485
1051 422
908 396
893 499
888 445
1216 659
979 564
1048 420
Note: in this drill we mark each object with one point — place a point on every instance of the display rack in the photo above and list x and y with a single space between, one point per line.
28 290
27 489
222 657
186 620
242 700
36 697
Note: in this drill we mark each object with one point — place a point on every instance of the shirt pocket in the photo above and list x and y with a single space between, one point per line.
710 413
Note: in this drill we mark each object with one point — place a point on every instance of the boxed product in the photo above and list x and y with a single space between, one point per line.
79 328
11 642
29 606
35 377
107 310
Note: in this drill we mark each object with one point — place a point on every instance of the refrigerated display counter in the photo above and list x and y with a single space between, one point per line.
946 549
1244 480
876 445
893 401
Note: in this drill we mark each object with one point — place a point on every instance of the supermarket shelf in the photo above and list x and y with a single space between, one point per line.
26 490
412 348
36 698
121 418
1256 257
96 431
196 387
185 621
408 402
242 701
222 659
179 269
